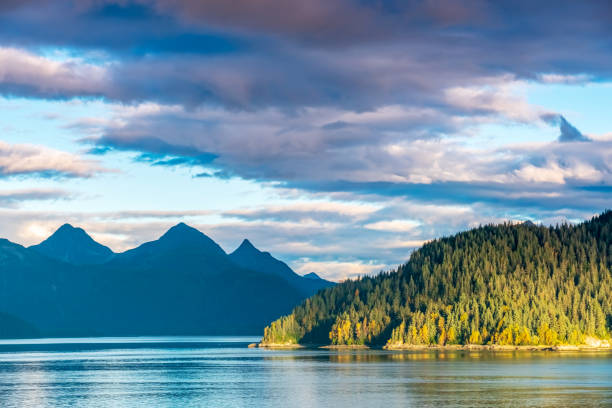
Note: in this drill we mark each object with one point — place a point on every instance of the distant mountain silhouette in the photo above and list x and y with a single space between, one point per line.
247 256
312 275
38 289
73 245
179 241
182 283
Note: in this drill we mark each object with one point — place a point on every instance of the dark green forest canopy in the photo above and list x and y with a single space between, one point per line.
507 284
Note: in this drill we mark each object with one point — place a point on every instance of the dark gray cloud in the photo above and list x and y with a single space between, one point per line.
252 55
569 133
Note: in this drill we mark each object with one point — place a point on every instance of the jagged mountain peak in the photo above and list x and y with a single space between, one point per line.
246 247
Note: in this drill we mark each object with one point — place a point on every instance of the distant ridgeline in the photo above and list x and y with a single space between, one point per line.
181 284
507 285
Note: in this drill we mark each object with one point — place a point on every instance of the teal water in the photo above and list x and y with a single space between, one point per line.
223 372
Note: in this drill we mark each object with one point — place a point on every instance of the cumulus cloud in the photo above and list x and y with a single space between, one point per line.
503 96
35 160
25 73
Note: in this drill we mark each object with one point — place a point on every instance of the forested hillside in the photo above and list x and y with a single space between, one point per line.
507 284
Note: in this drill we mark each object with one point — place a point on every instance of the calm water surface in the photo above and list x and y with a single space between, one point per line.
222 372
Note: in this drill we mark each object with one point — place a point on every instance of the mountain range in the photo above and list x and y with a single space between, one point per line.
180 284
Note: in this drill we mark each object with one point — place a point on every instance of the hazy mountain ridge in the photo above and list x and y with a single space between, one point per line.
181 283
247 256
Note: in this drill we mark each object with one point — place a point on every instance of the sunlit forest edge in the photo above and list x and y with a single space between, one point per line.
509 284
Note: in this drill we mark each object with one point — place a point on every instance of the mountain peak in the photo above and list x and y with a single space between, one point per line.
182 236
69 229
247 256
182 227
183 233
65 226
247 246
73 245
312 275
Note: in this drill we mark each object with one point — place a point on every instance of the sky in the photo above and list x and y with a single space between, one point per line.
339 136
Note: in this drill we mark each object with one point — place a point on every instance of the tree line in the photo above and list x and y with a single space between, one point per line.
503 284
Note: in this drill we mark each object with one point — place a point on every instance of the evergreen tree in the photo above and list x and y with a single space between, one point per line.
506 284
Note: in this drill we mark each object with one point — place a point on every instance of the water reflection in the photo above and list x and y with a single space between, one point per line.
166 372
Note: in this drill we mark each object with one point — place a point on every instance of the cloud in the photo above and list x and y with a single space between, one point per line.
568 132
153 214
349 54
565 79
375 104
339 271
120 230
393 225
40 161
322 210
25 74
386 152
336 250
503 96
11 198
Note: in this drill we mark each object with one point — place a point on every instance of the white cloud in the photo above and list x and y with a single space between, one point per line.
504 96
339 271
20 159
565 78
393 225
303 210
47 77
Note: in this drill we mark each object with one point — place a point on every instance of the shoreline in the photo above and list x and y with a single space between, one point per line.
495 347
453 347
279 346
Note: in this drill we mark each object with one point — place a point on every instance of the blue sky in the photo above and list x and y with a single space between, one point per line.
337 135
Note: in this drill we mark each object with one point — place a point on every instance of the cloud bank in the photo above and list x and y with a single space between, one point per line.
381 103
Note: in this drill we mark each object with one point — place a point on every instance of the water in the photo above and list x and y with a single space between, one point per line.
222 372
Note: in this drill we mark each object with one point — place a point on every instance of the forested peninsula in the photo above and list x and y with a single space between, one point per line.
496 285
